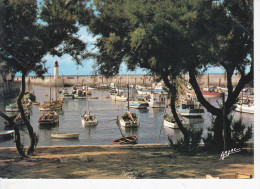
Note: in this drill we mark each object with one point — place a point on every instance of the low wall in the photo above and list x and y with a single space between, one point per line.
215 79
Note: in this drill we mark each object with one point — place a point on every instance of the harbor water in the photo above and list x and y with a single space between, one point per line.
107 130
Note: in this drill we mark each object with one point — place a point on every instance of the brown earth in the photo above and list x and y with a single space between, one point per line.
121 162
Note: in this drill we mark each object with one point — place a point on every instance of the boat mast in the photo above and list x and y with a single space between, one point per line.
87 101
50 87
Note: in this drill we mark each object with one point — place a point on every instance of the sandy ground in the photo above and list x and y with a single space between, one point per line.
121 162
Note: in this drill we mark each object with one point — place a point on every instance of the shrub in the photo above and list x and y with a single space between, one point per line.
190 146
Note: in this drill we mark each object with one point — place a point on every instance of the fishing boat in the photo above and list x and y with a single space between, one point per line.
49 118
17 119
137 104
65 94
103 86
169 121
129 119
87 118
125 140
157 100
211 94
36 103
190 108
65 135
80 94
206 94
6 134
118 97
14 108
106 96
245 108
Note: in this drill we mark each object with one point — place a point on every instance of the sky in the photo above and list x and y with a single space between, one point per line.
68 67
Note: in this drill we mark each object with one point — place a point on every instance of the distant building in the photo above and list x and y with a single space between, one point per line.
56 70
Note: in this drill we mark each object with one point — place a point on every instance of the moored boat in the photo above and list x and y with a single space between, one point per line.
190 108
88 119
169 121
125 140
157 100
137 104
17 119
129 119
117 97
65 135
14 108
49 118
245 108
6 134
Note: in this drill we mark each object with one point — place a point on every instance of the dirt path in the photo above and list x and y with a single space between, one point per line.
139 161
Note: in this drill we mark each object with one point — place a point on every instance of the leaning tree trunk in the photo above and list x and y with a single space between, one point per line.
26 122
173 109
176 117
17 135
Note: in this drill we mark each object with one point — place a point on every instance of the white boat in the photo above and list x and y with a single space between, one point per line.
190 108
117 97
169 121
6 134
157 100
129 119
245 108
87 118
143 91
137 104
65 135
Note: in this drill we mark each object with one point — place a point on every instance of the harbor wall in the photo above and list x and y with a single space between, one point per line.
214 79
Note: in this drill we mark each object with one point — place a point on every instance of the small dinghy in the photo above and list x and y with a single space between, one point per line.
65 135
125 140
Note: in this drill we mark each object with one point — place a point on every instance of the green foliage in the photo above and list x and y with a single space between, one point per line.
190 146
29 32
240 134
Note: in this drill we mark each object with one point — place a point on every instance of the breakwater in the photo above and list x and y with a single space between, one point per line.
146 80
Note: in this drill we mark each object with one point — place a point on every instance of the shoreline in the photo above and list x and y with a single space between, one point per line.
121 162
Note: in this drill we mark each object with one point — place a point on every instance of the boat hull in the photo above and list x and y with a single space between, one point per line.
89 123
190 112
65 135
245 108
7 134
170 124
129 123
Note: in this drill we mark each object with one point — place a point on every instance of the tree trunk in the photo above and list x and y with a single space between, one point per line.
26 122
176 117
17 135
173 108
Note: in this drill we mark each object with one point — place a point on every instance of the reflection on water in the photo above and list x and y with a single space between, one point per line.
107 130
